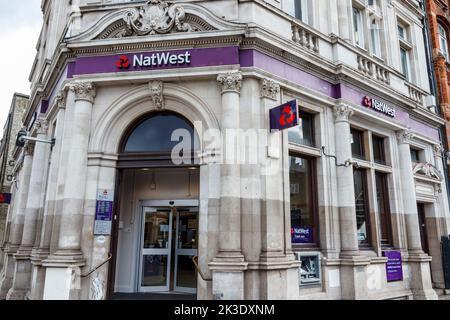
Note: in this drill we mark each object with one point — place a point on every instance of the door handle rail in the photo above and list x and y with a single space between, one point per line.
202 275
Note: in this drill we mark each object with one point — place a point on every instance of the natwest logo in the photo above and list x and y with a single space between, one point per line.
159 59
378 106
123 62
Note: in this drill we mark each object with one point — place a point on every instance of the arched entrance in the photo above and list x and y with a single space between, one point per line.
156 235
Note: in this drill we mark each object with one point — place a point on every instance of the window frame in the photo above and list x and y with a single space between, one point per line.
311 116
362 144
369 244
313 185
358 27
443 41
381 149
387 209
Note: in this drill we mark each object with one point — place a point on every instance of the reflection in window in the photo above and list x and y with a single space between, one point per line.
303 134
357 144
415 155
378 150
155 134
361 206
443 42
303 229
383 207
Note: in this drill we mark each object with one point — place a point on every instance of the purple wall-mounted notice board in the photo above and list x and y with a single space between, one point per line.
394 266
302 235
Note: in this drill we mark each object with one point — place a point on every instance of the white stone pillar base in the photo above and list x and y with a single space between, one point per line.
228 279
421 284
22 276
354 278
280 280
7 276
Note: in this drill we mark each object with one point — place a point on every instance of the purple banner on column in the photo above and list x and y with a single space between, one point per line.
394 265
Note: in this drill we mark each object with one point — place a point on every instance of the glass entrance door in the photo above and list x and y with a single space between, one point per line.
169 242
156 249
186 248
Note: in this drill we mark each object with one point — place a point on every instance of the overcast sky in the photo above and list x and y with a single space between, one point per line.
20 24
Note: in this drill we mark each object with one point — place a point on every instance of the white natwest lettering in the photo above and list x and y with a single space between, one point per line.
383 107
160 59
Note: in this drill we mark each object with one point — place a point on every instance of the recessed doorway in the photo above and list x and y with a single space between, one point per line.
168 243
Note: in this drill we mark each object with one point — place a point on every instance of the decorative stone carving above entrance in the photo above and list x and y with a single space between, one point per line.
156 92
427 170
155 17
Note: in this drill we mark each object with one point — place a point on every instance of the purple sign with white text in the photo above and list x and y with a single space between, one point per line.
302 234
394 265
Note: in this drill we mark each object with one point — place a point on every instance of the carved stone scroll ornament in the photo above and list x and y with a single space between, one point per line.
428 170
155 17
60 99
156 93
404 137
42 127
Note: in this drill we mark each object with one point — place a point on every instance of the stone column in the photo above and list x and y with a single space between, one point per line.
68 258
278 265
353 266
43 250
22 272
346 188
229 265
15 236
419 261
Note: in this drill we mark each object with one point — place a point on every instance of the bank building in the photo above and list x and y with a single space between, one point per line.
355 208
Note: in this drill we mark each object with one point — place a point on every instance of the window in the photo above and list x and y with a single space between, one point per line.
443 44
401 32
383 206
304 133
303 214
154 134
358 144
415 158
404 58
358 27
361 207
375 38
301 10
405 48
378 150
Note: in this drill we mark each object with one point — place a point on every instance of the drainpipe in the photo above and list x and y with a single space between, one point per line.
434 91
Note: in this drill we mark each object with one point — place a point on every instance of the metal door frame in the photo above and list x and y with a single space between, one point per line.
156 205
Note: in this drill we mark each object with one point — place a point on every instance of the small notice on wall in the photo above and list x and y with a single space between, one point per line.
104 212
394 265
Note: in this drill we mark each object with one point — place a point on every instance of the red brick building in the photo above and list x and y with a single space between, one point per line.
439 23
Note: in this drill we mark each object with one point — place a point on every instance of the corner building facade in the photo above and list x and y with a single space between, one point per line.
354 210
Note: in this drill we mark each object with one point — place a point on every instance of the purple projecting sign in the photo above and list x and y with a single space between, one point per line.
394 265
284 116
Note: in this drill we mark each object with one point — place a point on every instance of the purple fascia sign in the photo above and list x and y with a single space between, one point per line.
394 265
302 234
284 116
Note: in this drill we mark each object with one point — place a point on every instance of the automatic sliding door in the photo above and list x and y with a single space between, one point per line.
156 248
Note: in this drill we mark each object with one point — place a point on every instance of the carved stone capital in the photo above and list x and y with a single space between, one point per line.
60 99
83 91
437 150
156 93
230 82
41 127
404 137
270 89
342 113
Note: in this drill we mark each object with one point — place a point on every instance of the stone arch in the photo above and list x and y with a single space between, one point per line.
136 103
